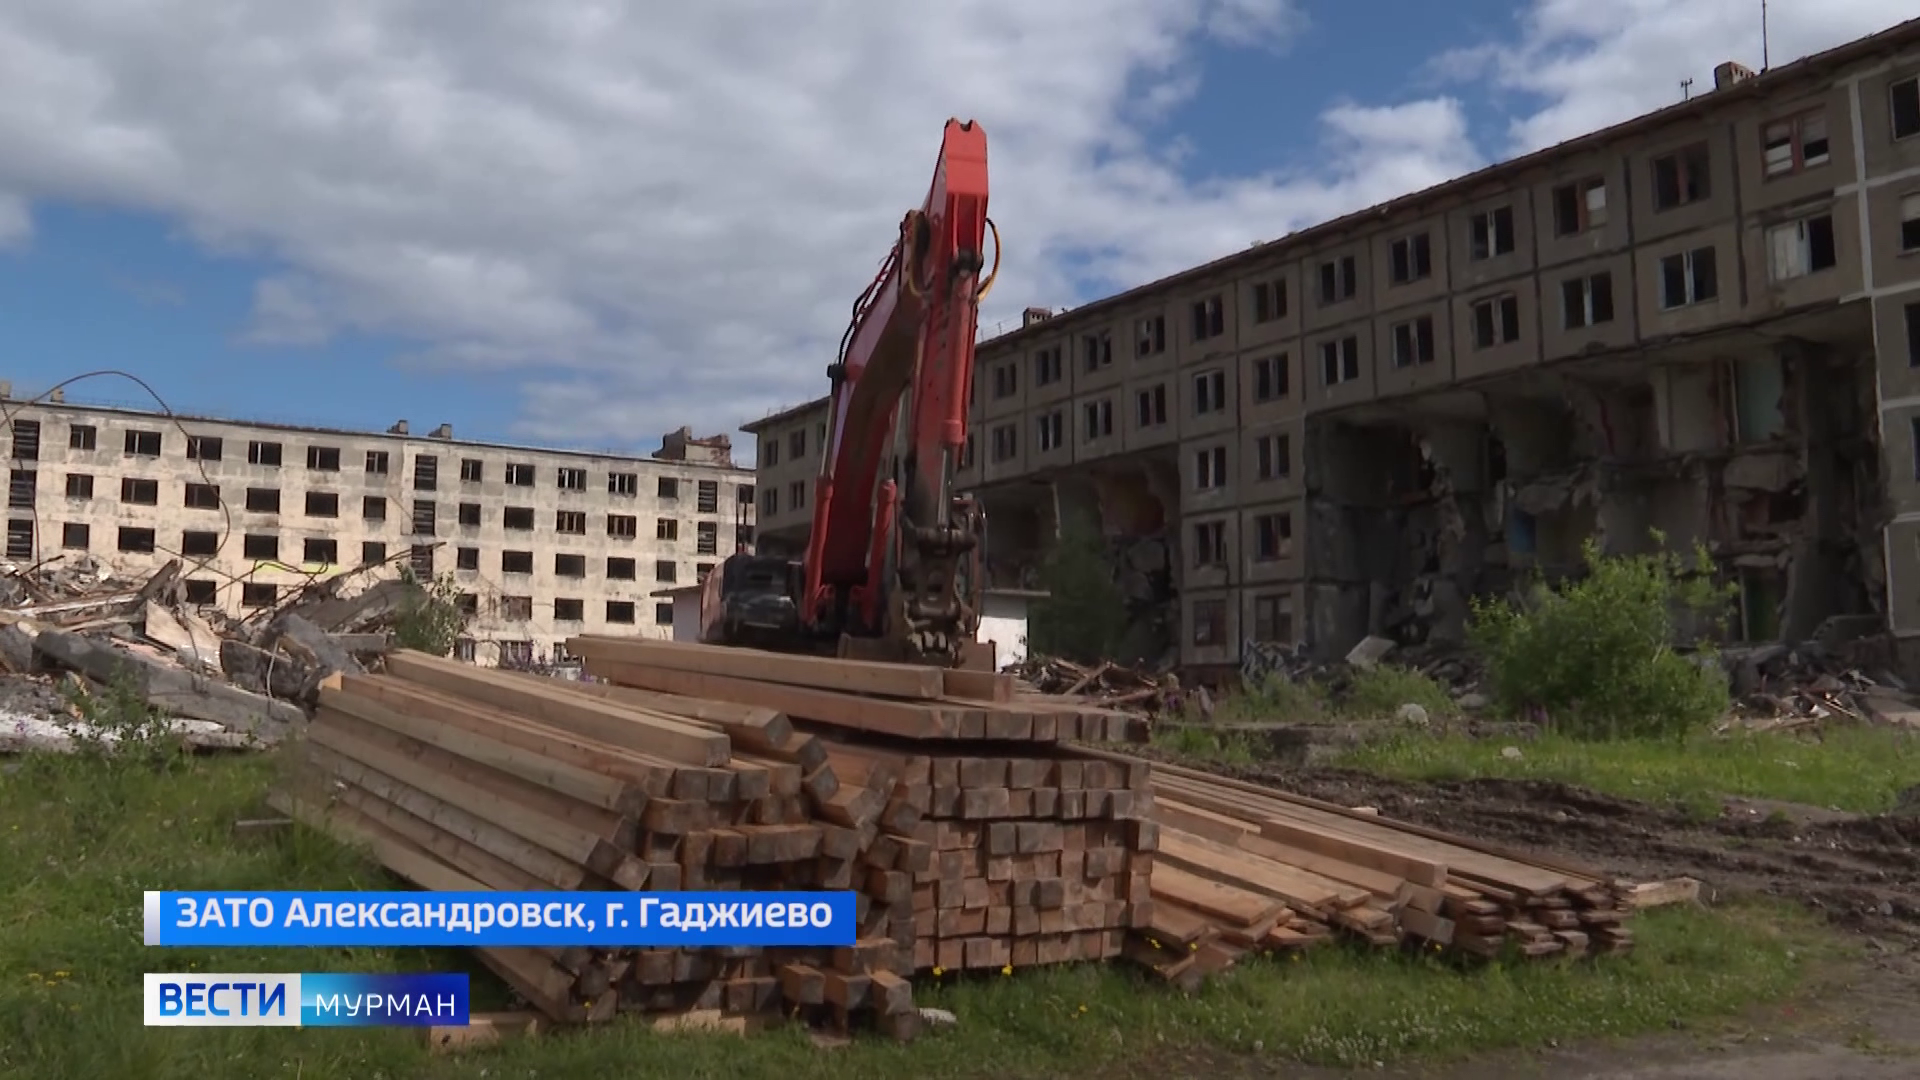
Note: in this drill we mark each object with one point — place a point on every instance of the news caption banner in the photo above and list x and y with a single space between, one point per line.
289 919
306 999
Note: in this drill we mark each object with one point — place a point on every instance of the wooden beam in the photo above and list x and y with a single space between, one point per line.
907 719
911 681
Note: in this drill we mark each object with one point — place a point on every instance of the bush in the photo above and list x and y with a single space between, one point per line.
1274 697
429 619
1083 615
1596 655
1379 691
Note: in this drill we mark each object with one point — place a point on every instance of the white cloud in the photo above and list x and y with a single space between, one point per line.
1585 65
16 222
660 216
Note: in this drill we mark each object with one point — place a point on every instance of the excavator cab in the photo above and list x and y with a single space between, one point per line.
750 601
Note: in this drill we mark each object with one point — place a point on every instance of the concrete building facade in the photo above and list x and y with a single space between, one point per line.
1705 321
543 544
788 446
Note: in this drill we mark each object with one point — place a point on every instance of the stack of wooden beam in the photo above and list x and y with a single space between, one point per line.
1242 868
983 841
460 778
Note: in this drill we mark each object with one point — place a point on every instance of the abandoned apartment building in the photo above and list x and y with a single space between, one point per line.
543 544
1704 321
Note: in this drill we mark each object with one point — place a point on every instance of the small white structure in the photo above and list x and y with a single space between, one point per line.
686 611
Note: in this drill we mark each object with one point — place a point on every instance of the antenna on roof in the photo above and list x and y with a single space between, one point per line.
1686 89
1764 56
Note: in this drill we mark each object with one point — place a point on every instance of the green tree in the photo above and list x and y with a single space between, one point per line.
429 618
1083 615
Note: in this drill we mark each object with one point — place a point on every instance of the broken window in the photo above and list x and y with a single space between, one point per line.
260 547
1273 536
1910 223
1496 321
199 543
623 526
797 491
26 440
1490 233
426 472
74 536
79 486
263 500
1411 258
1688 277
1097 419
143 443
378 462
706 538
82 436
323 504
666 529
569 610
1096 350
468 514
626 483
770 498
205 447
139 492
621 569
136 541
1339 279
1681 178
1579 206
20 538
1269 300
668 487
1006 443
1152 405
1798 248
466 558
1586 301
202 496
565 565
1903 100
472 471
23 488
1150 336
315 549
1413 342
1209 392
1273 618
707 497
258 594
323 458
1273 456
665 571
571 479
1048 365
1210 543
1209 622
1051 430
201 591
263 453
1209 318
373 553
1794 144
1210 468
1006 381
373 508
514 609
517 518
663 614
520 474
425 517
701 570
570 522
797 441
1270 377
1339 360
620 612
516 562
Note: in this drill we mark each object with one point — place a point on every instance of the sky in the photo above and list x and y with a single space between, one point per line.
583 223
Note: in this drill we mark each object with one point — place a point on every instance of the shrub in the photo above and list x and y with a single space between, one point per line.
1379 691
1083 614
1596 654
1274 697
429 619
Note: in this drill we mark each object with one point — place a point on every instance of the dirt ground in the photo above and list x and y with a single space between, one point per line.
1861 1023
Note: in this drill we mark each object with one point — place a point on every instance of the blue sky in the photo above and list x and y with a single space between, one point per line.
557 228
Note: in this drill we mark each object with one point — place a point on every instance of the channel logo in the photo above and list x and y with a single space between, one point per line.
307 999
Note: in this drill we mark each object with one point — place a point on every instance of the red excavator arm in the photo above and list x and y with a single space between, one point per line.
899 560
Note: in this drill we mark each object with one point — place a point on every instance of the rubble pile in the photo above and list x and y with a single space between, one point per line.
74 634
1781 686
1107 684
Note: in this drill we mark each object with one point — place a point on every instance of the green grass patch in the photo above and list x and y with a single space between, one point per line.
79 843
1850 767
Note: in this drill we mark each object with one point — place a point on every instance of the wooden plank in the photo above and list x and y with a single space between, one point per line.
906 719
1223 863
1246 836
1235 906
1385 859
978 686
750 727
817 672
619 725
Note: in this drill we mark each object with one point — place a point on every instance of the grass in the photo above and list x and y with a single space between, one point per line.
1844 767
80 842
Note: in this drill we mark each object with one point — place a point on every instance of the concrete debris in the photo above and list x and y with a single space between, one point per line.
1828 679
1109 684
75 635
